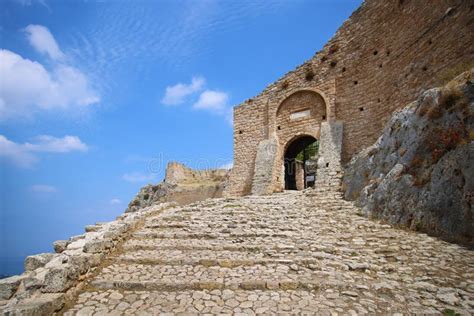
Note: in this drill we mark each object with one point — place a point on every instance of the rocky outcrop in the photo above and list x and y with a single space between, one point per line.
419 173
182 185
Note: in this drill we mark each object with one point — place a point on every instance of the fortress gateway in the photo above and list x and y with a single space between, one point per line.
377 62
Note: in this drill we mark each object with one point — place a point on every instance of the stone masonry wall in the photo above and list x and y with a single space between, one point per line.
177 173
378 60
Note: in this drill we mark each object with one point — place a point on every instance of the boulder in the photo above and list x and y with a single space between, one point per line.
60 278
60 245
37 261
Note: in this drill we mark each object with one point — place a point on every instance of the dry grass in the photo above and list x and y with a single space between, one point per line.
450 95
434 113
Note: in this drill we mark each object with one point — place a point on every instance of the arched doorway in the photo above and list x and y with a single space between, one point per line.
298 154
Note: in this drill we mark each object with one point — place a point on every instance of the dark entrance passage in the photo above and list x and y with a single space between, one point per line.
298 152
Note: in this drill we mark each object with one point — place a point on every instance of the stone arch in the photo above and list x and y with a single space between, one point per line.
317 93
294 170
299 114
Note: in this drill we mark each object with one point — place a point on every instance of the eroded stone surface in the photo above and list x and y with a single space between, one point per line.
286 253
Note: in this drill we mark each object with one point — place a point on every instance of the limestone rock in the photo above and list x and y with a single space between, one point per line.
60 278
419 172
60 245
46 304
37 261
8 286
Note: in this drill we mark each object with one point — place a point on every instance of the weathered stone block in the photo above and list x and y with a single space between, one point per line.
8 286
60 245
98 245
37 261
46 304
60 278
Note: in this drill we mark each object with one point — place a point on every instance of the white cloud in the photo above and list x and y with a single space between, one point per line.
43 41
46 143
138 177
115 201
43 188
177 94
212 100
16 153
25 155
228 165
27 87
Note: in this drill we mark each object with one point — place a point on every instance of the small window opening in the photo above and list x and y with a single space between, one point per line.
279 128
309 75
356 82
376 52
327 164
361 109
324 117
240 132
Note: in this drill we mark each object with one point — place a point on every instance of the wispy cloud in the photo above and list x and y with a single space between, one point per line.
128 31
115 201
28 86
43 41
26 155
177 93
31 2
43 188
139 177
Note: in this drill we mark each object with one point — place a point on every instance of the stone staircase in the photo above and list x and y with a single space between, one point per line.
298 253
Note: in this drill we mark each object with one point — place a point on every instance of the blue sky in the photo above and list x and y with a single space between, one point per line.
97 96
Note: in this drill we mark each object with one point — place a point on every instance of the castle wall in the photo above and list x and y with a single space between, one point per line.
177 173
378 60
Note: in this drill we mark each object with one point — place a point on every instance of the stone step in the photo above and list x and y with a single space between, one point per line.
311 212
187 277
197 302
250 245
226 258
212 234
287 276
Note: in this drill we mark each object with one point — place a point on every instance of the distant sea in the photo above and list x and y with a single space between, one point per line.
11 266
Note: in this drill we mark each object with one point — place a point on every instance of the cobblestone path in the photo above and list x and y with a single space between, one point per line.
286 253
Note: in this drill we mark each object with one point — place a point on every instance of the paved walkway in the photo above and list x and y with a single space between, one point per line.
285 253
